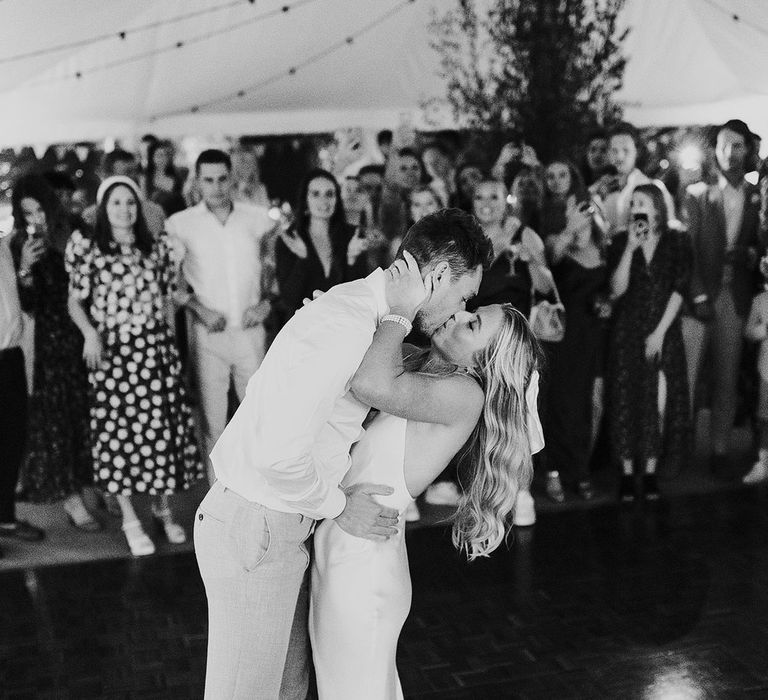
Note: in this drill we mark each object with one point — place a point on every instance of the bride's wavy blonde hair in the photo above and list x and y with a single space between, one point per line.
497 456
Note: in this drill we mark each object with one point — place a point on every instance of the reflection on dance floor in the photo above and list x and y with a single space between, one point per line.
598 603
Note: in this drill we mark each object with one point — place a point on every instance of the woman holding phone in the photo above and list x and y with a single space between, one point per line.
649 267
58 464
318 249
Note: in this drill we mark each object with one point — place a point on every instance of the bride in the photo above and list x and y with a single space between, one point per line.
474 391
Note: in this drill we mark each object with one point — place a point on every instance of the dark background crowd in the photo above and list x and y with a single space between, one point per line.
153 288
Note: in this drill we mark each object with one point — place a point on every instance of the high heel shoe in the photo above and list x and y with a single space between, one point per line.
651 487
173 531
138 540
79 517
627 489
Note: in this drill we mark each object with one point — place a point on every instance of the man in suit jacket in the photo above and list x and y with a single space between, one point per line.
723 225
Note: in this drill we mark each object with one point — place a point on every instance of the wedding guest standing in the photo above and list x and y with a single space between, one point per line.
649 267
319 249
576 363
58 463
13 406
218 244
724 226
141 424
518 271
163 183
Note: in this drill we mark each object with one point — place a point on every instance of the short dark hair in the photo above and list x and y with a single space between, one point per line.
408 152
626 129
117 155
59 180
384 136
451 235
212 155
737 126
372 168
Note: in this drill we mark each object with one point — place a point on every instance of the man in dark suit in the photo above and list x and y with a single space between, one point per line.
723 225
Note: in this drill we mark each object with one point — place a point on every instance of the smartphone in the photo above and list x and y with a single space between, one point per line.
640 224
614 184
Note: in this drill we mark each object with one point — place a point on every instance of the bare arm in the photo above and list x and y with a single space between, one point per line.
756 328
79 316
92 347
382 382
670 312
620 276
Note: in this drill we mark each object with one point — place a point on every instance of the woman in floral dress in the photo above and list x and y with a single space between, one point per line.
649 267
142 426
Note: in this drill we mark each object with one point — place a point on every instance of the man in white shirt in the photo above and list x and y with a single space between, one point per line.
613 193
13 401
282 457
217 244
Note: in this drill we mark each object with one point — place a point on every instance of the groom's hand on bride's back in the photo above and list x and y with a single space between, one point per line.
364 517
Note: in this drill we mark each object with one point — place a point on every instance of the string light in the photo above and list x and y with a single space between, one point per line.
121 34
314 58
168 47
737 18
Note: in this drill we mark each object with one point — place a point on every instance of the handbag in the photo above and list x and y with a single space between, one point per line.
547 319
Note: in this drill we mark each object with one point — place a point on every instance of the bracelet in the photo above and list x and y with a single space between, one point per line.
24 273
400 320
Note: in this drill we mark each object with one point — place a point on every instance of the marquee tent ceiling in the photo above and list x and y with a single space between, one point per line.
357 63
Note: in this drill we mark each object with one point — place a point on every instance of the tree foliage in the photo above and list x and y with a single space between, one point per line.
546 68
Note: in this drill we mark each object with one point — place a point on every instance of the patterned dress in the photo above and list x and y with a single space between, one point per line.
142 426
58 461
632 381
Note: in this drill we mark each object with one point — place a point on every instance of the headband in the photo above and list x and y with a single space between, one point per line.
116 180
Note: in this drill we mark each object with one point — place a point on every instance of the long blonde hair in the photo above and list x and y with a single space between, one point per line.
498 453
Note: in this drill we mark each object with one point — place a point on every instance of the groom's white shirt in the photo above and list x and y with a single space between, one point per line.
287 446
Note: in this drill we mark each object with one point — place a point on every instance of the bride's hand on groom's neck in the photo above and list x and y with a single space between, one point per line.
364 517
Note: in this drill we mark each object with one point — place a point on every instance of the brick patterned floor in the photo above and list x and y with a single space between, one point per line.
607 602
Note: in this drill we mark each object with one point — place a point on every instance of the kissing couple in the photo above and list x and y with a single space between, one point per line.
285 468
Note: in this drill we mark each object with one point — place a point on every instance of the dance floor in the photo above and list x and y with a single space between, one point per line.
660 602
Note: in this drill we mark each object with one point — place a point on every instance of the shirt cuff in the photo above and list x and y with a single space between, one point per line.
700 298
334 503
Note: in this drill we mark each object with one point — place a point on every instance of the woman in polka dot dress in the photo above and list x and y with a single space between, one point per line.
142 427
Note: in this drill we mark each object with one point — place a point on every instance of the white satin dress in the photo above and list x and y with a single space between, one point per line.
361 590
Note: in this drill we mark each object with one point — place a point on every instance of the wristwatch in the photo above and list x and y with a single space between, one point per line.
24 273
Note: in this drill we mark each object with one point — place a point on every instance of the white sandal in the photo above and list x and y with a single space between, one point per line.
138 540
173 531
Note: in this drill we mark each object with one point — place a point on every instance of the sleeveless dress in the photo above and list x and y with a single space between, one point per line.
361 590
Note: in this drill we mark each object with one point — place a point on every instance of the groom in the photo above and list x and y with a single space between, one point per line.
282 457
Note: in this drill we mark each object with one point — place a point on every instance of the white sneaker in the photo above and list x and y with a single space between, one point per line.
442 493
759 471
525 510
412 514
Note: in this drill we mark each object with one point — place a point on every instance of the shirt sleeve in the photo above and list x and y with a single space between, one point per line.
320 355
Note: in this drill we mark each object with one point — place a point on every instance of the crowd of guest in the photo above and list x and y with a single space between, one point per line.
157 300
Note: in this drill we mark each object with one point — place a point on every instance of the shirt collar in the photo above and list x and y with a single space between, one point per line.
203 207
722 183
376 282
